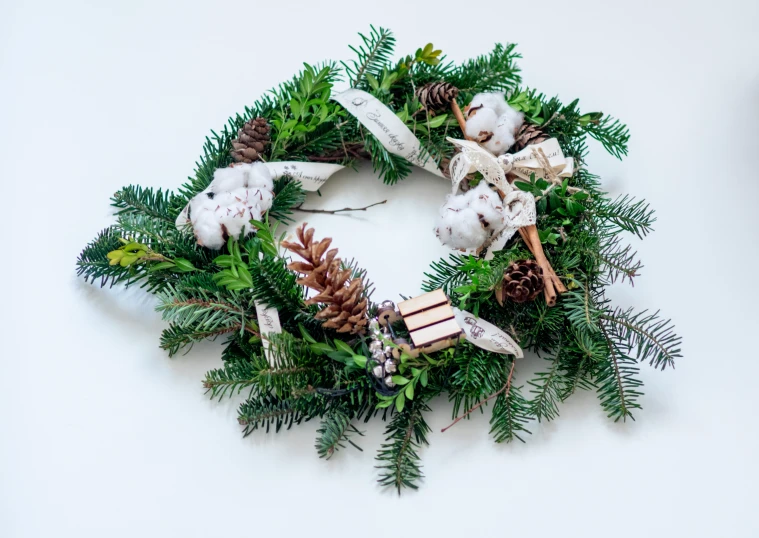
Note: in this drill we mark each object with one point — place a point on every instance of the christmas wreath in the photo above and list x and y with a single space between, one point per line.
536 243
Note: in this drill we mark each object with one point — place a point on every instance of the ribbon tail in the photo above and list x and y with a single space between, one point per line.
486 335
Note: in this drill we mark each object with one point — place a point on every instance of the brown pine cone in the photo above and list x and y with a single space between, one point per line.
345 303
526 135
522 282
251 141
436 95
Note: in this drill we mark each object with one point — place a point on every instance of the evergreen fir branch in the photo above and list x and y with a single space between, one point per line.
144 200
547 388
446 274
618 388
626 213
376 51
203 312
478 374
275 285
175 338
511 412
158 234
334 431
235 376
265 410
191 282
290 367
647 336
578 374
399 461
544 326
216 154
392 168
619 260
493 72
581 306
327 139
613 135
93 263
288 194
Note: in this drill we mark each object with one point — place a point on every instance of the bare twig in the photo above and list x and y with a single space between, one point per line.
505 389
335 211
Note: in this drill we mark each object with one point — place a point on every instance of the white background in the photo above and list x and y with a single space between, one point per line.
101 434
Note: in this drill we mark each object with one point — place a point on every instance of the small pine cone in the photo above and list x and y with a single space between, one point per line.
526 135
251 141
522 282
344 300
436 95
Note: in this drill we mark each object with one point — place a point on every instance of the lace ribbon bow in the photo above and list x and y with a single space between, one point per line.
544 160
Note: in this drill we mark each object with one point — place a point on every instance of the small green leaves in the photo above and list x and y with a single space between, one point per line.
407 386
547 236
235 276
428 55
531 104
400 401
132 253
265 237
128 254
535 186
590 117
388 78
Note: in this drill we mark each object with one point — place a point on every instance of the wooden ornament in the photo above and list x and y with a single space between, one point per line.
431 323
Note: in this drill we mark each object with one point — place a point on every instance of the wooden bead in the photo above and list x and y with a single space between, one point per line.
387 315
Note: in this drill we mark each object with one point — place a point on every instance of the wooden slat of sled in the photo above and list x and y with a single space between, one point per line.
428 317
423 302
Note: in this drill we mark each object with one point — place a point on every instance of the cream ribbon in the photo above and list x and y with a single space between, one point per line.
386 127
545 160
486 335
268 322
312 176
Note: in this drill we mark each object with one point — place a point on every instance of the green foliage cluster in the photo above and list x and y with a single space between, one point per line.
308 372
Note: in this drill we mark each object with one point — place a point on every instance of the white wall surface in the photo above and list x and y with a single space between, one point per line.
102 435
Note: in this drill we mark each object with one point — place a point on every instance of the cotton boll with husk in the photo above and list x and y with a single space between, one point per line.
468 220
504 135
481 126
235 196
489 100
492 122
461 229
488 206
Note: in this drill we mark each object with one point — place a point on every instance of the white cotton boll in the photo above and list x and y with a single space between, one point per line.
227 179
503 136
260 176
467 230
261 197
493 101
235 196
481 124
487 204
454 202
207 230
511 117
502 140
461 229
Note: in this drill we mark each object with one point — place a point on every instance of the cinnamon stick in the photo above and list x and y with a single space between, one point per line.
552 284
558 284
459 117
